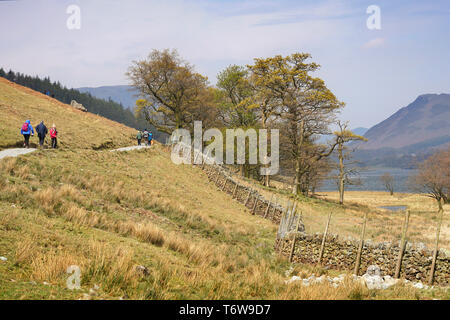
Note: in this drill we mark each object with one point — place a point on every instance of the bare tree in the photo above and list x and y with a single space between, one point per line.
433 177
342 137
388 182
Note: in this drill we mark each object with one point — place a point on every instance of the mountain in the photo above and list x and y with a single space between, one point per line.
123 94
360 131
421 125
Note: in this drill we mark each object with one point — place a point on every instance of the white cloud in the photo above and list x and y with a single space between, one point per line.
374 43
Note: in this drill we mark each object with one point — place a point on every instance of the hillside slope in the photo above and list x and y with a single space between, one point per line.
76 129
422 124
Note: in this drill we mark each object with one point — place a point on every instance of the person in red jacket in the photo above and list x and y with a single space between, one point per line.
54 135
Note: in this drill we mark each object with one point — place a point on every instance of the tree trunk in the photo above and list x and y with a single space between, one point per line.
266 177
295 189
341 174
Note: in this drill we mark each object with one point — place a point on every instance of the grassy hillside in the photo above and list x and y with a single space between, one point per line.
77 130
138 226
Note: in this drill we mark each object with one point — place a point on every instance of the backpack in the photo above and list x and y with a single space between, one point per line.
25 127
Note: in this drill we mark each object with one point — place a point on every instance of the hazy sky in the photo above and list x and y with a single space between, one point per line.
375 72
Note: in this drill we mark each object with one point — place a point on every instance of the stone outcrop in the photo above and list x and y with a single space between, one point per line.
78 106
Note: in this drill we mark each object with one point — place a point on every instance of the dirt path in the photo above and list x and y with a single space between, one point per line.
15 152
130 148
21 151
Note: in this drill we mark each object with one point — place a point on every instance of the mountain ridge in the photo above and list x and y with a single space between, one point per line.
427 118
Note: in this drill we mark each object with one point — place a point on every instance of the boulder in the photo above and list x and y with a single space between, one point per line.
373 270
78 106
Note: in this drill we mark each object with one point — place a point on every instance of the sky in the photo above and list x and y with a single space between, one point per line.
375 71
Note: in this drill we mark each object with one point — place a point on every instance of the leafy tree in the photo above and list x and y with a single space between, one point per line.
266 101
235 101
304 103
170 89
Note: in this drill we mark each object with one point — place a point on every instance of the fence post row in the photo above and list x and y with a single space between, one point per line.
288 214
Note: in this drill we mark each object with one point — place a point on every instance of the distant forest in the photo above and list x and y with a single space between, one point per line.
105 108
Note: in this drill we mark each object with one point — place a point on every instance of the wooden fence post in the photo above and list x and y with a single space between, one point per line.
248 197
361 245
274 207
398 267
209 171
291 254
225 183
235 189
255 204
322 246
195 157
218 177
203 161
268 206
436 248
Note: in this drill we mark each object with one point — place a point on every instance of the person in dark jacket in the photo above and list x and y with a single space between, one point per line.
26 131
42 131
145 135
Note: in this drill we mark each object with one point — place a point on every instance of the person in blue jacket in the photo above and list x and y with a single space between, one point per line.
26 131
150 138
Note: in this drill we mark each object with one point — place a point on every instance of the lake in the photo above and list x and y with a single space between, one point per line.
370 180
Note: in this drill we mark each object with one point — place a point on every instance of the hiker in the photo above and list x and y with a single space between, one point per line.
146 133
139 137
150 138
26 131
42 131
53 135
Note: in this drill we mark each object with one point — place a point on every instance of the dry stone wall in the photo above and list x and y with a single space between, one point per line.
341 254
256 203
